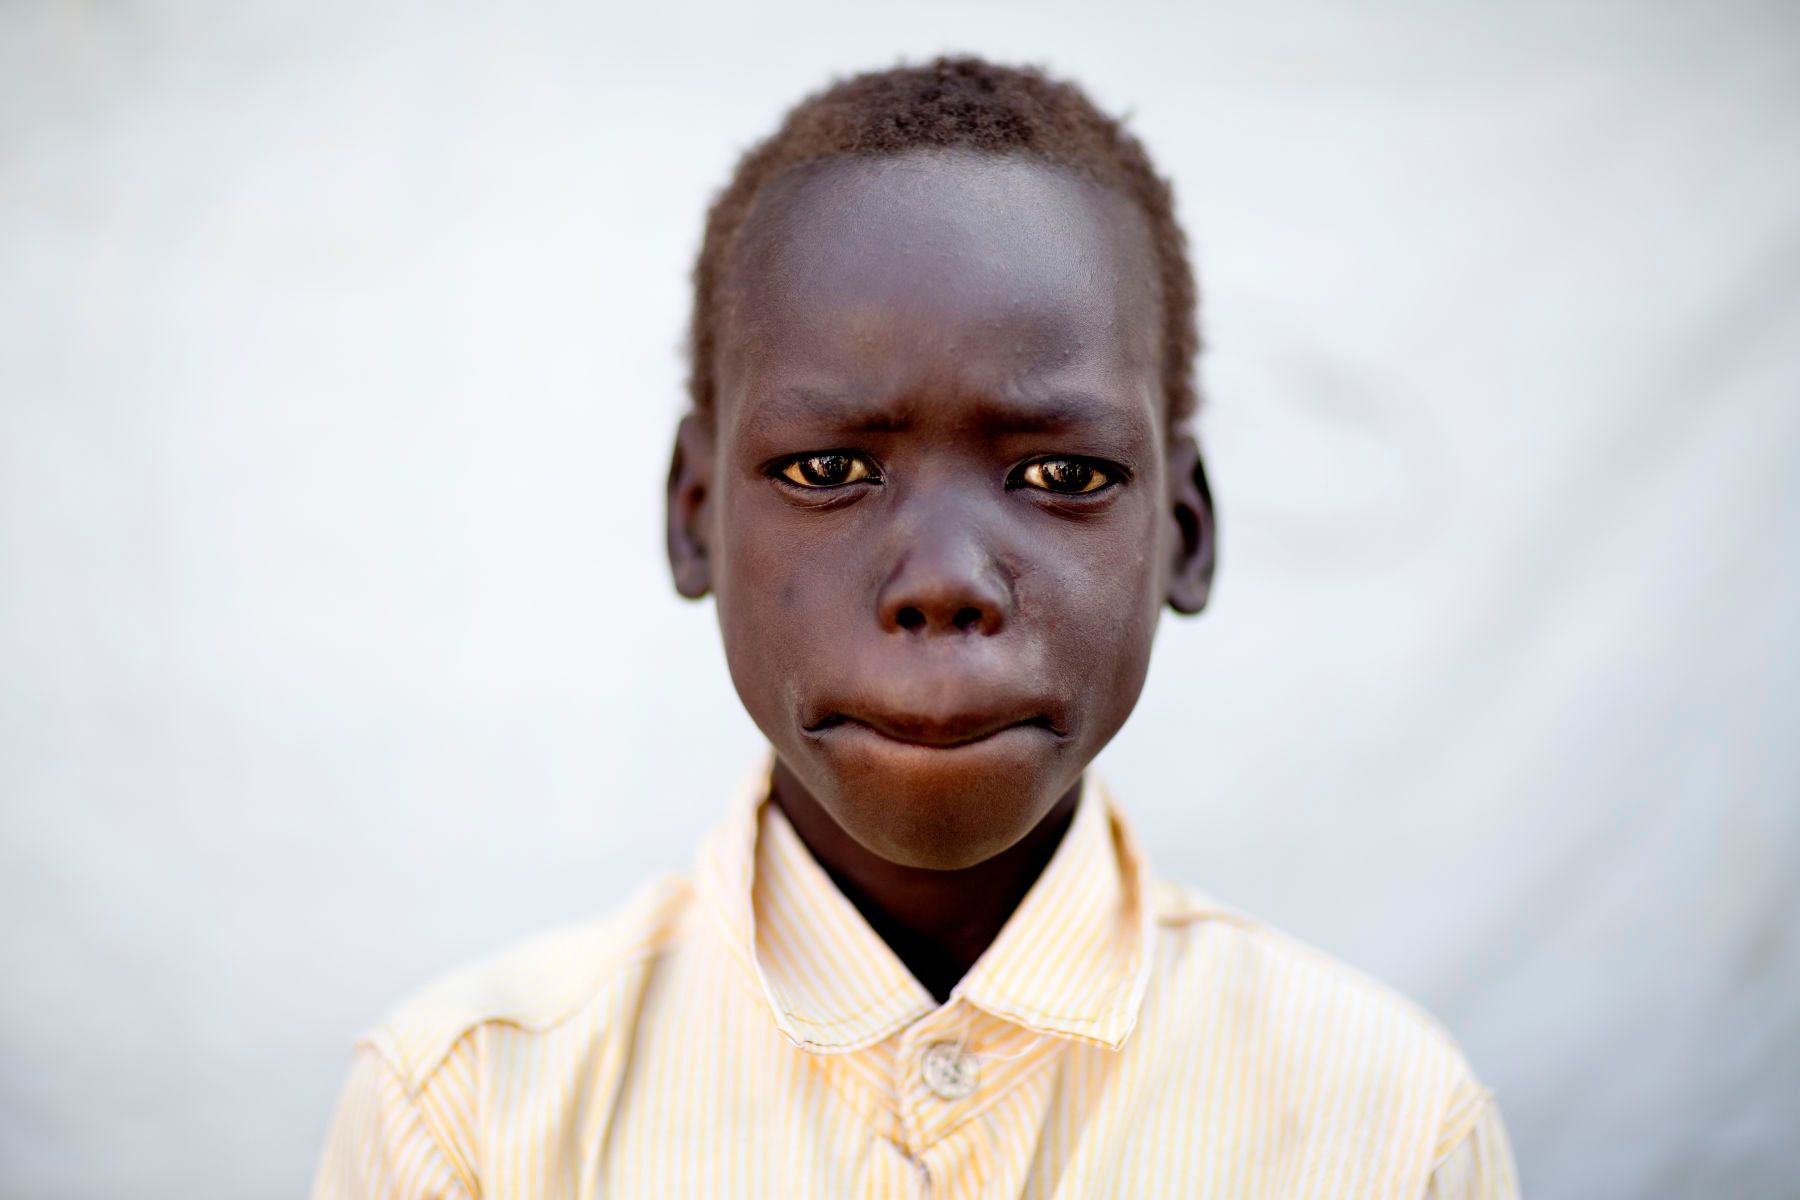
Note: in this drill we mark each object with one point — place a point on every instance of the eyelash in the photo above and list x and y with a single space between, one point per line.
787 469
793 471
1107 474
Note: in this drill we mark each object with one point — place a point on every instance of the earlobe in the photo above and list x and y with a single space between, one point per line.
690 491
1190 499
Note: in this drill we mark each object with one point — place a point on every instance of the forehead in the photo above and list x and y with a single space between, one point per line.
941 273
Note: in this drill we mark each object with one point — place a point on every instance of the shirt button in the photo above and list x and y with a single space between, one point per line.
950 1071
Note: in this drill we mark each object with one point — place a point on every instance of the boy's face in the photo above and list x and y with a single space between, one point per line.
939 504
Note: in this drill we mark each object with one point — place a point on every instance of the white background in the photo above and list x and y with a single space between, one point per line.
338 354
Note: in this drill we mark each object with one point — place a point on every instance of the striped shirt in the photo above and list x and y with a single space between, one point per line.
748 1034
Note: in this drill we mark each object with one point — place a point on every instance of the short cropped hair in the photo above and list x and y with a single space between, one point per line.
958 103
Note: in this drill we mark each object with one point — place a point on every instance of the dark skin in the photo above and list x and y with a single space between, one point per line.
941 509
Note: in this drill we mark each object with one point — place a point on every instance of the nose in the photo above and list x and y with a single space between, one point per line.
944 581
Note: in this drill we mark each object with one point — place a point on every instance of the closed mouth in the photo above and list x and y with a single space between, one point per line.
933 734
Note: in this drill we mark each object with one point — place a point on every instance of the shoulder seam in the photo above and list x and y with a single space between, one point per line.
415 1078
464 1175
415 1066
1175 904
1195 908
1461 1116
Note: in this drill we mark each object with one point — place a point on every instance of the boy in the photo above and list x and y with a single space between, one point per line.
938 478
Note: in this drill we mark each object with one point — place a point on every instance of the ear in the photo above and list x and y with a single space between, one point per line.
690 495
1190 501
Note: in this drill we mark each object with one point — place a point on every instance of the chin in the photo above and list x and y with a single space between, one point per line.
935 807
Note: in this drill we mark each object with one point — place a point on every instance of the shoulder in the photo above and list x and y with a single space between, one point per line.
534 986
1300 1003
1341 1067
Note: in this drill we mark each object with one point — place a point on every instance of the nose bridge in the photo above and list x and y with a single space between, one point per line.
944 575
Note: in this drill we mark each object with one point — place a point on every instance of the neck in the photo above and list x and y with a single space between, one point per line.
936 922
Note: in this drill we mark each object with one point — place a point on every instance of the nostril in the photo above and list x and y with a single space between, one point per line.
968 618
910 619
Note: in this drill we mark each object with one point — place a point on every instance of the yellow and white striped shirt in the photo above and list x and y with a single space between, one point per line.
748 1034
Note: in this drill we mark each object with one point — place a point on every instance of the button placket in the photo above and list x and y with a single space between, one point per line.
923 1109
950 1071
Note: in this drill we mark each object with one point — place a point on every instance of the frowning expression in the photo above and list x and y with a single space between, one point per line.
938 503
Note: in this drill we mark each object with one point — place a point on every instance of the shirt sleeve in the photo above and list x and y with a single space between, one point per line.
379 1146
1478 1163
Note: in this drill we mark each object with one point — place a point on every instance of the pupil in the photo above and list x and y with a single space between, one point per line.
828 468
1068 476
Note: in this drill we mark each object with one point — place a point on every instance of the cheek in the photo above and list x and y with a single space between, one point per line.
778 600
1107 595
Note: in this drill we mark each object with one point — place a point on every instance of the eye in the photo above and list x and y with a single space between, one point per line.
1065 476
831 469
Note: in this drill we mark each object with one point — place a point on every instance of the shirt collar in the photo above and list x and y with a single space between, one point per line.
1073 960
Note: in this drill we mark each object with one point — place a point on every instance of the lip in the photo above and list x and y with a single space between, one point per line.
932 733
